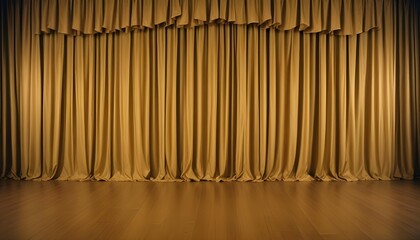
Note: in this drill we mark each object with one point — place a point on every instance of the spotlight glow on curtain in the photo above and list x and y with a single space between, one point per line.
210 90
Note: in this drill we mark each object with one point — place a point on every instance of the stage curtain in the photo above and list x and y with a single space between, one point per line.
218 101
92 16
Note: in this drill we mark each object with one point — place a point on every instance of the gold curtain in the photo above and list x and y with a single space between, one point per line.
210 102
92 16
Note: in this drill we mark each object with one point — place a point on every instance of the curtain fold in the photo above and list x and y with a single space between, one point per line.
215 102
97 16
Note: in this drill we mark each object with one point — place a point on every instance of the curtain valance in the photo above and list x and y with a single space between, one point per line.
341 17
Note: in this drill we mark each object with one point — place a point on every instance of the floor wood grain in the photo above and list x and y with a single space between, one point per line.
209 210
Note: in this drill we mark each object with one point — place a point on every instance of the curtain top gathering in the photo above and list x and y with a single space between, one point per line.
339 17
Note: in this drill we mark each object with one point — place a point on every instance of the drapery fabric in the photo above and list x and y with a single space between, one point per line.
219 101
93 16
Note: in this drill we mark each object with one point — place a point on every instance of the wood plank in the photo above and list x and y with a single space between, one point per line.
210 210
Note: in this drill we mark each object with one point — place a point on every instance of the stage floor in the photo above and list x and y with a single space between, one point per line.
209 210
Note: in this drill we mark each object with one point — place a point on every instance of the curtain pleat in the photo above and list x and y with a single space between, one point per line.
416 25
98 16
215 102
407 74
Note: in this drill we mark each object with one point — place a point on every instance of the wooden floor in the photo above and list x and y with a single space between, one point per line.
208 210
